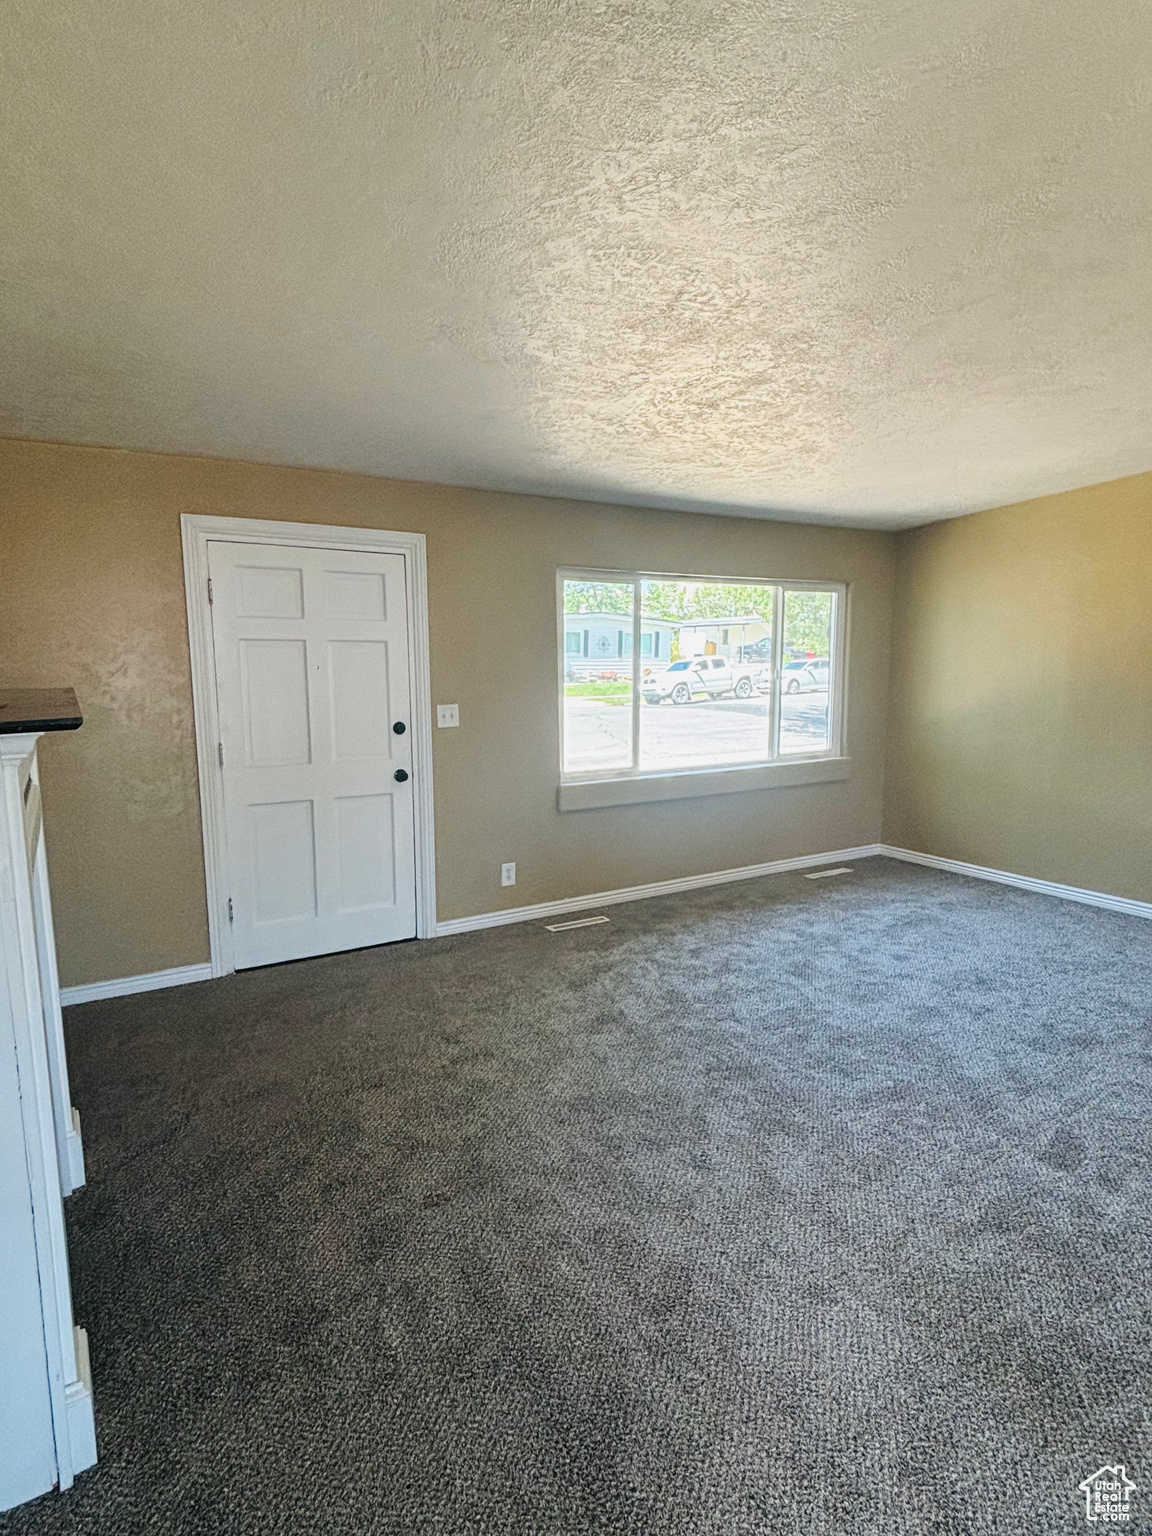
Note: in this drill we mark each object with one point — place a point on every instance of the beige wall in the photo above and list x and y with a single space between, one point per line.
91 594
1021 719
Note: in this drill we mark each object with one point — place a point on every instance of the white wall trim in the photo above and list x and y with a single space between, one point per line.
655 888
180 975
124 986
79 1407
1123 904
75 1152
196 531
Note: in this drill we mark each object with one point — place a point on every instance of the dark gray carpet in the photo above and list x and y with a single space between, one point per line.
781 1206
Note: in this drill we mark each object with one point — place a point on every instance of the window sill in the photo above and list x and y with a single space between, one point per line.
635 789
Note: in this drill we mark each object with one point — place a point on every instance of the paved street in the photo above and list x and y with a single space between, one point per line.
687 735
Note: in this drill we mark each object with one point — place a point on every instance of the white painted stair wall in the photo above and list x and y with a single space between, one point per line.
47 1427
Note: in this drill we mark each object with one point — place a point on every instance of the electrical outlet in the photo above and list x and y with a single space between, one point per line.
447 714
507 874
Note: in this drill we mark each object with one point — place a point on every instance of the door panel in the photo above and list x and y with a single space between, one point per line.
283 855
311 652
274 698
356 595
267 592
366 835
361 718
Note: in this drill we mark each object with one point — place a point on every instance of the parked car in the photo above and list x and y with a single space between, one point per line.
758 651
804 676
703 676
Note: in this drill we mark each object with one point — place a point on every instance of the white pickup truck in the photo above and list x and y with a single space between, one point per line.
704 677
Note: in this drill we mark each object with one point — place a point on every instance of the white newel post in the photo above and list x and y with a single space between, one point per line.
47 1431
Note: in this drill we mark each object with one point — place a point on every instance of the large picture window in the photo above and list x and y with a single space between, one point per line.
671 674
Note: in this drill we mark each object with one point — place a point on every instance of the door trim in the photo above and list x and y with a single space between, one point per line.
196 532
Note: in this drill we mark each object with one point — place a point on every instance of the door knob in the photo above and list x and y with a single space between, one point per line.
399 727
400 775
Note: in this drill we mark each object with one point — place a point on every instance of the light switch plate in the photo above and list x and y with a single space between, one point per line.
447 714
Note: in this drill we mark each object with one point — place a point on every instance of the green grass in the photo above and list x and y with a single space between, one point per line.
618 692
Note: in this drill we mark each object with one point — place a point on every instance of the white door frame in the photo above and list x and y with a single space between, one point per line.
196 532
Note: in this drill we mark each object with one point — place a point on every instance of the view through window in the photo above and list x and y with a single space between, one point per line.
667 674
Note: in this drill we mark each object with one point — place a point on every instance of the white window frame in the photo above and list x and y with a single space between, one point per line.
620 786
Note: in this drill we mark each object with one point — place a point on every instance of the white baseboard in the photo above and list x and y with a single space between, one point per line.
75 1145
182 974
79 1413
123 986
656 888
1023 882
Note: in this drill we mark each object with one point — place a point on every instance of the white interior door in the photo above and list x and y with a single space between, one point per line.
314 700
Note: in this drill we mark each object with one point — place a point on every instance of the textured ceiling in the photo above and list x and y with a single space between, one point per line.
860 262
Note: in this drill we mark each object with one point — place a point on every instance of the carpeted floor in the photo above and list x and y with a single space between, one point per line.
786 1206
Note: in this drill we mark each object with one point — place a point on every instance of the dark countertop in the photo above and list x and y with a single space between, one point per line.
38 709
